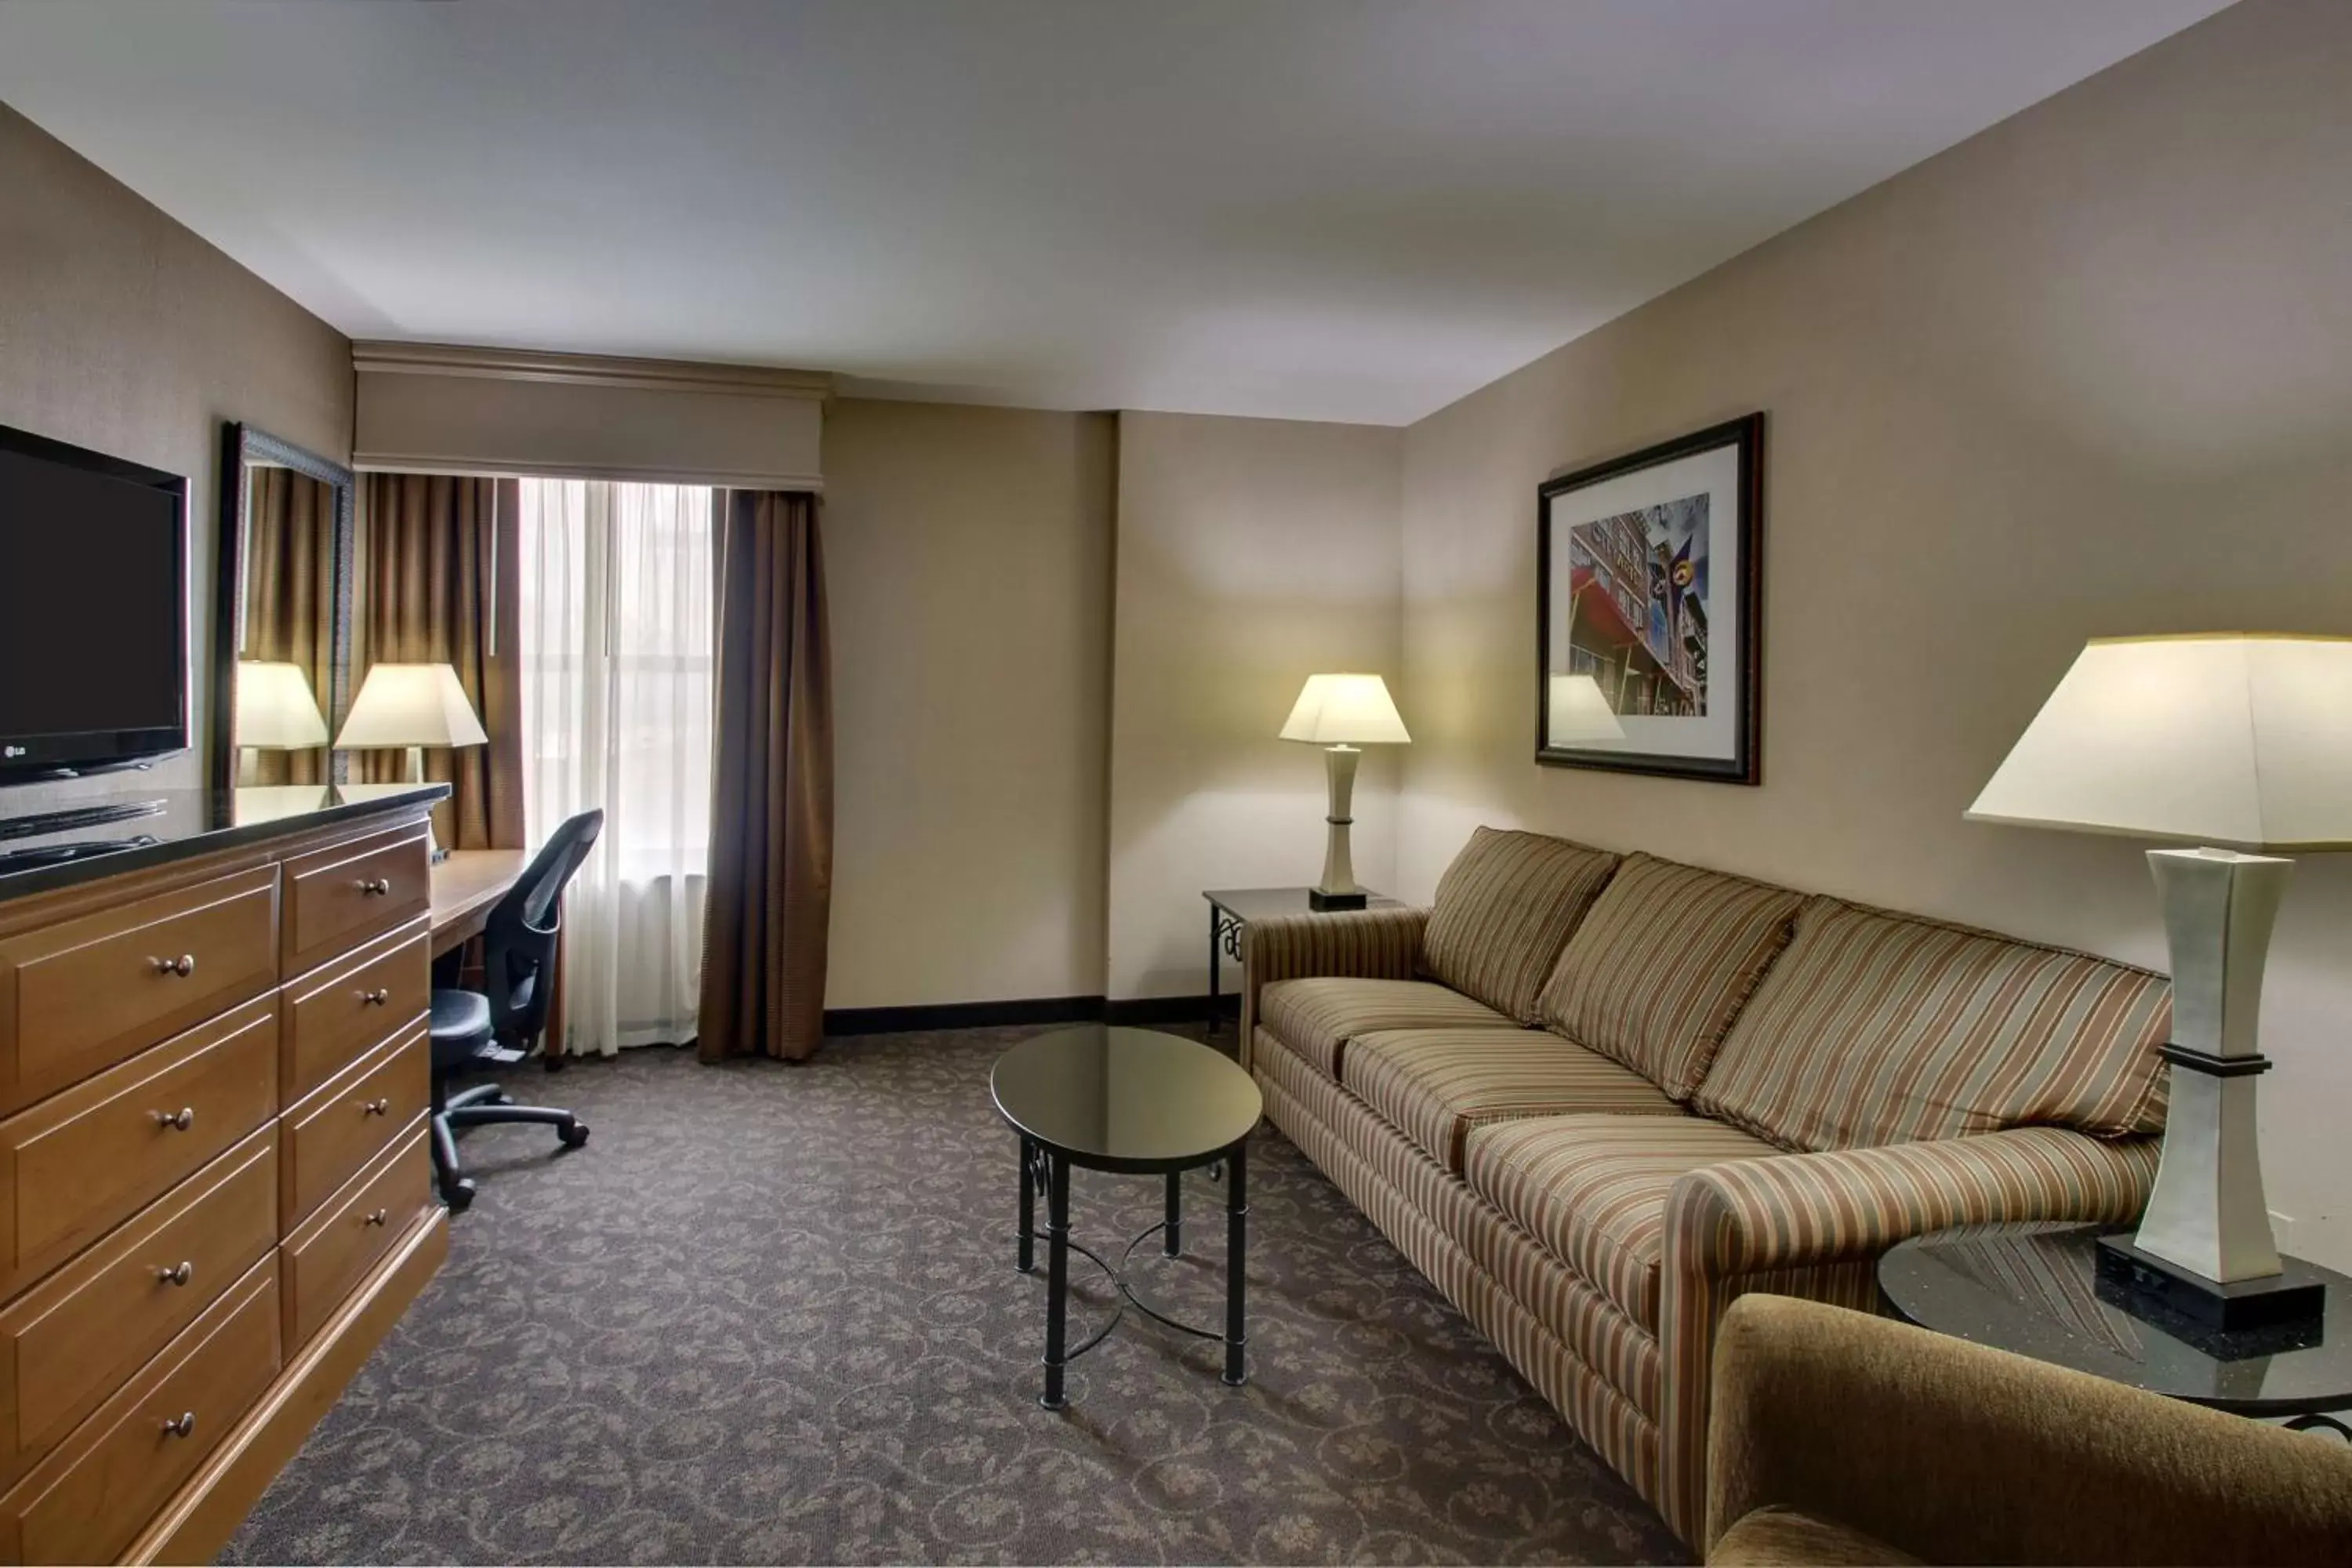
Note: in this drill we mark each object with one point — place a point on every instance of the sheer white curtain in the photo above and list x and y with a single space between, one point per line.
616 668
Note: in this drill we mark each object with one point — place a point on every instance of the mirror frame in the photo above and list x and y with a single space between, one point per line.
241 445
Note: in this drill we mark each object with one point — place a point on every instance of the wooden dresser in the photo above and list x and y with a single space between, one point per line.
216 1196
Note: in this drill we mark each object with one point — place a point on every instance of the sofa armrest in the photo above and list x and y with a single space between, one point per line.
1955 1453
1360 944
1796 1210
1813 1225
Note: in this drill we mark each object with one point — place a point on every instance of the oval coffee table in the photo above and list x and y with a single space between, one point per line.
1137 1102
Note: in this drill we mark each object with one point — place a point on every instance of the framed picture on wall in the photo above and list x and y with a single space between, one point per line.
1649 600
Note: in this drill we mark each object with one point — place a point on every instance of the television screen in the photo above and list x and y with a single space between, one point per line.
93 606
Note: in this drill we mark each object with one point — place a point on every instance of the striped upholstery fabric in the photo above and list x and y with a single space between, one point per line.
1505 909
1593 1190
1318 1017
1363 1156
1365 945
1436 1085
1813 1225
1623 1354
1661 966
1880 1028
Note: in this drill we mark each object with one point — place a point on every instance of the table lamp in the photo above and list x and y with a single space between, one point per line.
275 712
412 706
2243 741
1341 713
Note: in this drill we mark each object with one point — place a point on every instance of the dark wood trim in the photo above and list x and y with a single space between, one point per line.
1144 1011
1745 765
241 444
963 1016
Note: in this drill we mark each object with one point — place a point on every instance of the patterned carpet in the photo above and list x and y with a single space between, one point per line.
769 1314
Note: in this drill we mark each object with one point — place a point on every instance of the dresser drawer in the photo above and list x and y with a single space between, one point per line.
90 1499
333 1250
76 1165
335 1015
328 1137
71 1341
352 892
76 998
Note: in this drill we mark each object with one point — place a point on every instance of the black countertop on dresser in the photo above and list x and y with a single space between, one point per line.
187 823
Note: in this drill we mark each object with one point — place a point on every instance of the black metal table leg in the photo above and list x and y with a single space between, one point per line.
1236 1259
1216 1012
1027 1259
1057 1276
1171 1240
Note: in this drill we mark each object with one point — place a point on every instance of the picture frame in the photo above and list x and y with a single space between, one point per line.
1649 609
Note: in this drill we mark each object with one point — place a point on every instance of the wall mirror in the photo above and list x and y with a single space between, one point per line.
281 669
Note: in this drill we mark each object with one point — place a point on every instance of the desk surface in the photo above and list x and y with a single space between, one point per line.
465 886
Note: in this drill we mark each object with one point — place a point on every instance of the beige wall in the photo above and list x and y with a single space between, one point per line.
122 331
968 558
2087 374
1252 554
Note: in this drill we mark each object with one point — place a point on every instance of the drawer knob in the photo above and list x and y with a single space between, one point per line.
377 997
180 1276
178 1120
183 966
375 887
185 1427
378 1216
378 1108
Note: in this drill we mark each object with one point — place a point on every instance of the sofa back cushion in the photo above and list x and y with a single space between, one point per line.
1879 1028
1659 967
1504 910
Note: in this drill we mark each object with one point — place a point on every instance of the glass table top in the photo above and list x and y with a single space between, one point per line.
1125 1099
2033 1290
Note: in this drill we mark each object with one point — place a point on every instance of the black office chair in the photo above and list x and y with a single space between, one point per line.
472 1031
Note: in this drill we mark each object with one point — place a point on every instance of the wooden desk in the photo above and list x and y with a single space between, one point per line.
466 886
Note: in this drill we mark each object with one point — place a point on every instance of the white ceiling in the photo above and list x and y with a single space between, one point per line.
1323 209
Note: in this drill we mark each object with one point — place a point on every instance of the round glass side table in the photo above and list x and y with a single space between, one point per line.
2033 1291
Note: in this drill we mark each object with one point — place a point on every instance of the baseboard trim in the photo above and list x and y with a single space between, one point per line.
1141 1011
962 1015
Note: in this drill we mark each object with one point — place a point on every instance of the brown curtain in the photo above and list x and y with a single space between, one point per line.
289 599
440 565
771 884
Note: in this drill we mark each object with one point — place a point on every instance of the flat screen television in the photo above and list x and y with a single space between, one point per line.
93 610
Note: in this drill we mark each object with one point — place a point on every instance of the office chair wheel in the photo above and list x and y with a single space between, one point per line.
460 1196
574 1135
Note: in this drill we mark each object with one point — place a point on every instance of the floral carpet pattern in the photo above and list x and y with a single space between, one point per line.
769 1314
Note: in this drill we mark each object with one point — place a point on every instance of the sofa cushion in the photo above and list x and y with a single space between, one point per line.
1592 1189
1879 1028
1662 964
1504 910
1317 1019
1434 1085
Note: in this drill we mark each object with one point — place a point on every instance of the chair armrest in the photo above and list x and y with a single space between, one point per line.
1794 1210
1955 1453
1360 944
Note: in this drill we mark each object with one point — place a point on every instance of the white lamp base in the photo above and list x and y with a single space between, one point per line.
1338 889
2204 1244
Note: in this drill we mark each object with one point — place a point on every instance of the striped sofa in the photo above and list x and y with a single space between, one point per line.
1596 1099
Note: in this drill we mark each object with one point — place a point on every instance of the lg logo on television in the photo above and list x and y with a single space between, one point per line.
11 752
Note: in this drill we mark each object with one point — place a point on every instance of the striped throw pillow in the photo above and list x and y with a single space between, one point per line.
1504 910
1662 965
1879 1028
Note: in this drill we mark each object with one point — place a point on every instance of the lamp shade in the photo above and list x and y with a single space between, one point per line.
411 705
1576 708
274 708
2236 741
1345 710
